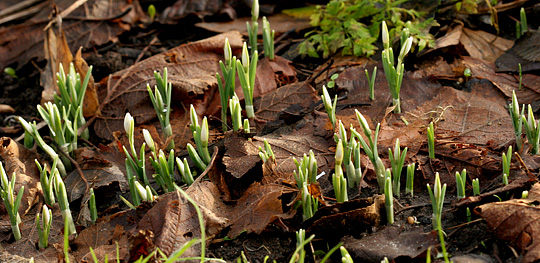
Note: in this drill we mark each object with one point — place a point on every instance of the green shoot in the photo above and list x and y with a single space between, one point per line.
185 171
532 130
306 170
409 189
195 157
10 201
517 121
299 254
268 39
476 186
254 27
246 74
43 226
523 20
67 232
506 161
131 178
71 98
437 201
345 256
371 82
431 141
61 196
310 204
246 127
524 194
136 162
469 215
63 131
236 112
93 206
11 72
151 12
332 83
226 90
200 135
397 160
461 181
394 74
47 181
338 180
267 154
161 100
329 106
389 198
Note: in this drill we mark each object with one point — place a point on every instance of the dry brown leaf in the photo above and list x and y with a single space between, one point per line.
281 23
479 44
260 205
56 52
517 221
391 242
91 24
269 106
192 71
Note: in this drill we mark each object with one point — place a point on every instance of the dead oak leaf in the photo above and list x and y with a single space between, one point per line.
518 221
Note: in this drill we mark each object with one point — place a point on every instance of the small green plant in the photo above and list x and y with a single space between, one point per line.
310 204
11 72
11 202
93 206
353 26
43 225
461 181
200 136
164 167
506 161
524 194
351 157
532 130
31 130
185 171
394 74
161 100
268 39
338 180
72 92
397 160
371 148
437 202
431 140
299 254
371 81
521 26
145 193
468 214
236 113
409 189
306 170
267 154
517 121
254 27
47 181
332 82
329 106
476 186
246 127
151 12
67 232
226 90
63 131
136 162
389 198
246 74
61 196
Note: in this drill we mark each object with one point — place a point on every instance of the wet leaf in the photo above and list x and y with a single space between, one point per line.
192 71
517 221
391 242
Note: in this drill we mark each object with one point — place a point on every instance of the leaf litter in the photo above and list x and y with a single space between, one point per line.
244 195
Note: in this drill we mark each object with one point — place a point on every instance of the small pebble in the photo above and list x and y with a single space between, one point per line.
411 220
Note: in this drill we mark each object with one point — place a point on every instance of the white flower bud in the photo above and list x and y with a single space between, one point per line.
385 37
129 123
149 140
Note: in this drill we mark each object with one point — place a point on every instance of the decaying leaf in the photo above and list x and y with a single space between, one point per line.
479 44
94 23
517 221
391 242
280 23
355 216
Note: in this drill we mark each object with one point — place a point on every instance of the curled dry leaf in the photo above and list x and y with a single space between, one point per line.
517 221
